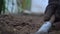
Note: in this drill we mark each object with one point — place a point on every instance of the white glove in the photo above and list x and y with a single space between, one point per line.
45 27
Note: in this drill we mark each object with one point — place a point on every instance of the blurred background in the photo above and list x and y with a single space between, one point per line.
18 16
23 6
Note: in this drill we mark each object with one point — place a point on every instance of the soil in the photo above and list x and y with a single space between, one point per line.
21 24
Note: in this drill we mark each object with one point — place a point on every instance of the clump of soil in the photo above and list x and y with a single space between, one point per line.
22 24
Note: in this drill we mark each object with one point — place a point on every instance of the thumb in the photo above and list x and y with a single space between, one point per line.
52 19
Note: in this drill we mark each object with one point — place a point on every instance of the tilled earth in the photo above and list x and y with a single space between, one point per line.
21 24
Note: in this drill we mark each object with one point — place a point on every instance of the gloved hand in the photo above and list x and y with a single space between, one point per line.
46 26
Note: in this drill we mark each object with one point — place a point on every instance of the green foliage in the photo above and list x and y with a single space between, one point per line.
2 6
28 4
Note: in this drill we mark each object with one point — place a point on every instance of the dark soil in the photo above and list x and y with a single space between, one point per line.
21 24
